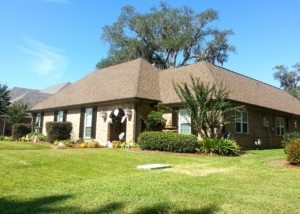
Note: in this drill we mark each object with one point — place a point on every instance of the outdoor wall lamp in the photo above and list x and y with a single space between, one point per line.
104 115
129 113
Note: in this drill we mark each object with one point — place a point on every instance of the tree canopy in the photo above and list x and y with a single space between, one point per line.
166 36
4 98
289 79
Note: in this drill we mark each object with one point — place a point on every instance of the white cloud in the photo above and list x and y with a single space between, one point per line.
44 60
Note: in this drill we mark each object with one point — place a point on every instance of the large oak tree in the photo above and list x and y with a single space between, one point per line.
166 36
289 79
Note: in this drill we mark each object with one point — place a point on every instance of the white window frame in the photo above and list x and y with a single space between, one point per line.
38 123
88 112
60 116
280 124
239 114
184 118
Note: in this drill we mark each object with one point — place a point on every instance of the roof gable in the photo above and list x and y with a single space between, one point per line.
126 80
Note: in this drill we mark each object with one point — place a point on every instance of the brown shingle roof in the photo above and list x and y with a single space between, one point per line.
240 87
126 80
139 79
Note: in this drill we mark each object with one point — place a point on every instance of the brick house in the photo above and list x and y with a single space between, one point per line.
111 103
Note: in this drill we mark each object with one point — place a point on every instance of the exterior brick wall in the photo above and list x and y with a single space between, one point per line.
256 129
134 126
267 135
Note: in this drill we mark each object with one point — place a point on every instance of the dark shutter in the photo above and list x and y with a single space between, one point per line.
175 118
81 125
94 123
55 116
65 115
33 121
42 122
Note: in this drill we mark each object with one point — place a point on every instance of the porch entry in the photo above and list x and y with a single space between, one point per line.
117 123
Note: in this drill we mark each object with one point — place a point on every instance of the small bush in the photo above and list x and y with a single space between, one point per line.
8 138
293 151
34 136
20 130
83 145
287 137
155 121
68 143
220 146
58 131
2 138
168 141
115 144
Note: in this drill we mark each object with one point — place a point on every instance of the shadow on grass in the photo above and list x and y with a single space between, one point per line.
167 208
50 204
39 205
108 208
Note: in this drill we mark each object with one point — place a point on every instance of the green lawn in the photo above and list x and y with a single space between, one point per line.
37 178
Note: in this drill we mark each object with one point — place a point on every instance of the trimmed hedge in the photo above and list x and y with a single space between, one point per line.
293 151
20 130
58 131
168 141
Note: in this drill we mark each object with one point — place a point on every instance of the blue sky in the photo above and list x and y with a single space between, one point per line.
44 42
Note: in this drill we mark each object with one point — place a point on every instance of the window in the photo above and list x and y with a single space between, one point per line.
280 126
241 122
60 116
184 122
38 123
88 122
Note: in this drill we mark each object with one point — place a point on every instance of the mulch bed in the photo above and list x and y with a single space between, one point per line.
284 164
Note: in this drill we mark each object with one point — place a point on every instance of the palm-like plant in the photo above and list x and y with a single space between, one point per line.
207 105
17 112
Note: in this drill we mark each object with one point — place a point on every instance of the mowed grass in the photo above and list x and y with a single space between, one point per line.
36 178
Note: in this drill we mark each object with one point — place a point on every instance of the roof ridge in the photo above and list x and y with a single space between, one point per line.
210 73
19 97
235 72
28 89
139 77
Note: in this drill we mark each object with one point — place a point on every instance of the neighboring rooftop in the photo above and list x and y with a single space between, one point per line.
33 96
55 88
139 79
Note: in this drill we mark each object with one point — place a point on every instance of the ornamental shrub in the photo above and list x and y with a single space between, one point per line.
36 136
168 141
293 151
220 146
58 131
288 137
20 130
155 121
